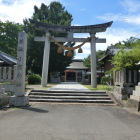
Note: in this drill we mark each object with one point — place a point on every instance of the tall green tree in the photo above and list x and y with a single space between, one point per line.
55 13
9 37
99 55
127 59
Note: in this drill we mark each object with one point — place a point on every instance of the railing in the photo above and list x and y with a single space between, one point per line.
8 78
126 77
8 74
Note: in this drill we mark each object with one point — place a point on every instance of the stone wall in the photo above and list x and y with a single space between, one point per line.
125 82
7 78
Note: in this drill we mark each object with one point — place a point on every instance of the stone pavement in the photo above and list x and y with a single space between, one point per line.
69 86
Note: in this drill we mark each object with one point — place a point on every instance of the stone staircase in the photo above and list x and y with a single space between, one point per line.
98 97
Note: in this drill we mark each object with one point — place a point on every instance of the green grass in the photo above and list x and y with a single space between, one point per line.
38 86
99 87
50 85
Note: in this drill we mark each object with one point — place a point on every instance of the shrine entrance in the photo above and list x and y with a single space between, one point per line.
70 30
71 75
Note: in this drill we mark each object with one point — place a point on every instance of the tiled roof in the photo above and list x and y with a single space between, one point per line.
112 50
77 64
7 58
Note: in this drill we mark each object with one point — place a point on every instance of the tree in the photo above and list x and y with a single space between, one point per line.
55 13
87 61
99 55
127 59
9 37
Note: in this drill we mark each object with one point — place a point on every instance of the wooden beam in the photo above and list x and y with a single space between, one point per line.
65 39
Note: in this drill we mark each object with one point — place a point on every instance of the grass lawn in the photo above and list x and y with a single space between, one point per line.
50 85
38 86
99 87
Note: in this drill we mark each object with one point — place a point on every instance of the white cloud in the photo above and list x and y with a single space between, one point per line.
131 5
132 19
132 16
19 9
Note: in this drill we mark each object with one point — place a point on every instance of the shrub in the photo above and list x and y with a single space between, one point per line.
108 78
34 79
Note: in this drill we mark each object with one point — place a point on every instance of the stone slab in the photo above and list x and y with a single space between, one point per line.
119 96
134 103
19 101
136 93
135 97
137 88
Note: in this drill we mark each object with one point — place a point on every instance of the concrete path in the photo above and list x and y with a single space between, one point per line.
69 86
42 121
69 122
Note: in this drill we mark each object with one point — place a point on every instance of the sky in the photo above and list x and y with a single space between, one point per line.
125 15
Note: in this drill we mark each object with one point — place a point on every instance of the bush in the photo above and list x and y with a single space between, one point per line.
108 78
34 79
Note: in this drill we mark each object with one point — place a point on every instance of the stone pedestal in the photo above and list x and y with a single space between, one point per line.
19 101
134 100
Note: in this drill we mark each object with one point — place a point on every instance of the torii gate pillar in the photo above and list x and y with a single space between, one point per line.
45 61
93 61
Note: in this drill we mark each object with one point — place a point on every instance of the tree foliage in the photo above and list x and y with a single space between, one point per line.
55 13
9 37
99 55
127 59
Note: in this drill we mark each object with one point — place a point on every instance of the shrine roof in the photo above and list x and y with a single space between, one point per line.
77 64
73 29
112 50
6 58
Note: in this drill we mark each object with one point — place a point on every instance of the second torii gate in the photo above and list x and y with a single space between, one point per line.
92 29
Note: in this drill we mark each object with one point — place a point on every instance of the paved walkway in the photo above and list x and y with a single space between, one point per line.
72 86
69 122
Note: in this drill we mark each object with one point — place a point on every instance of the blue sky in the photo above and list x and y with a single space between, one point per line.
125 15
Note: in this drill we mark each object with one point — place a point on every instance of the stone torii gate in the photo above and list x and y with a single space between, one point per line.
91 29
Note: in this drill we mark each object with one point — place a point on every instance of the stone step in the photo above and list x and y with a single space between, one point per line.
71 101
67 94
71 97
136 93
137 88
69 91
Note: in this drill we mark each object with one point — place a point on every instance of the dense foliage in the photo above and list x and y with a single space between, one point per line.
34 79
9 37
127 59
99 55
55 13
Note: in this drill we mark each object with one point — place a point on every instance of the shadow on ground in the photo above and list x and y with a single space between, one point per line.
36 110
